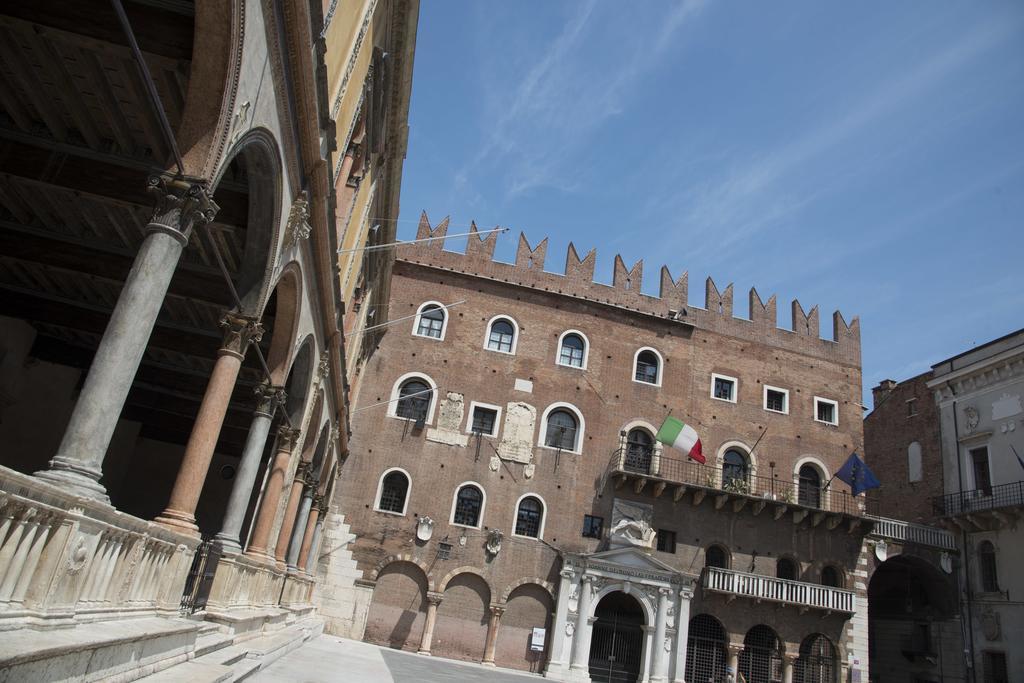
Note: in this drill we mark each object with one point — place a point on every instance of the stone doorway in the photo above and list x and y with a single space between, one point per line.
616 648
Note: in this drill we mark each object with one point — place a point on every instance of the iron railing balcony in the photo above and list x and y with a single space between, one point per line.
911 533
761 588
644 465
992 498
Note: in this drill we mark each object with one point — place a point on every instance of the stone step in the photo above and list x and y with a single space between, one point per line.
193 672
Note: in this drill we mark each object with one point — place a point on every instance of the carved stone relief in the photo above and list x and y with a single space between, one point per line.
517 436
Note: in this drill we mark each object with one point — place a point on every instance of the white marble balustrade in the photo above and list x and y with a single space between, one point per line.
760 587
909 532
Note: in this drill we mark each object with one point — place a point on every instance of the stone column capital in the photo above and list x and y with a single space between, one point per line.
324 366
497 610
587 578
567 574
267 395
180 204
735 649
434 598
286 438
665 591
239 330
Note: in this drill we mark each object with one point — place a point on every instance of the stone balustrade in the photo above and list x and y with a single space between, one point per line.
67 558
909 532
298 590
245 582
760 587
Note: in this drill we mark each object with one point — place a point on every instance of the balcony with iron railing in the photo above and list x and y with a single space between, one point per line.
759 588
982 507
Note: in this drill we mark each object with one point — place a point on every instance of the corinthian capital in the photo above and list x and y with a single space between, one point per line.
267 395
239 330
287 437
181 203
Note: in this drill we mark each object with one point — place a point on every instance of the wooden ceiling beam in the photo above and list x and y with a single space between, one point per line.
29 82
97 79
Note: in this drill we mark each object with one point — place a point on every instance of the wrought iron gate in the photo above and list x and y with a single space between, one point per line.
200 577
615 649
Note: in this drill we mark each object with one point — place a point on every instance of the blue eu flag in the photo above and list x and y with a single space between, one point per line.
855 473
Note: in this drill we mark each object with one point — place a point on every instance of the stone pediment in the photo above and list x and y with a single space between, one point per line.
631 557
628 563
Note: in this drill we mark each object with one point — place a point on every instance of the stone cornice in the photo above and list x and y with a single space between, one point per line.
978 376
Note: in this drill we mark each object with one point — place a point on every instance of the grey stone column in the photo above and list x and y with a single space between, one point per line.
581 636
314 545
299 527
78 465
267 397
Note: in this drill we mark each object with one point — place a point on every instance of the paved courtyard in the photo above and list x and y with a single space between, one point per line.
329 659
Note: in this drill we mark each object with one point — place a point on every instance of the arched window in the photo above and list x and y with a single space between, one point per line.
394 492
639 448
817 661
647 367
715 556
529 517
705 650
785 568
469 505
501 336
430 321
830 577
914 472
572 350
761 659
735 471
809 492
989 574
561 430
413 400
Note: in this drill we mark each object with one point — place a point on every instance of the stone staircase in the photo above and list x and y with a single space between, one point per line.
341 603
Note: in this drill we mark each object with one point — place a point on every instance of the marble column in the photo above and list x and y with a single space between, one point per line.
492 634
181 204
267 398
581 636
258 543
303 473
309 536
682 634
788 661
645 653
732 665
433 600
299 527
659 658
239 331
557 659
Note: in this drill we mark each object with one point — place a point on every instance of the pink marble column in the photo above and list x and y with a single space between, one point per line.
238 333
433 600
302 478
286 439
492 634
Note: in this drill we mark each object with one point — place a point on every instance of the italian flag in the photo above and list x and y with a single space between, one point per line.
681 436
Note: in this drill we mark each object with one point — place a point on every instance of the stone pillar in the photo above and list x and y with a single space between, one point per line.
659 658
284 534
180 513
732 665
286 438
78 465
787 668
299 527
645 653
581 636
557 658
492 634
433 600
309 536
682 634
267 397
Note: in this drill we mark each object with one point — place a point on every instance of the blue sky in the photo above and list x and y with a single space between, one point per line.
866 157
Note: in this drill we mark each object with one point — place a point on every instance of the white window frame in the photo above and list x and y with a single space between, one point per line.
735 387
543 516
397 386
515 334
444 323
835 411
661 365
483 505
586 350
380 489
473 405
785 400
580 431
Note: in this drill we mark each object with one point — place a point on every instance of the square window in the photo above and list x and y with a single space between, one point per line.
444 551
826 411
593 526
995 668
666 541
723 388
484 420
776 400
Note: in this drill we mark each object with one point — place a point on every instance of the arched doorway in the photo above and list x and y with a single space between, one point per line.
616 643
761 659
817 662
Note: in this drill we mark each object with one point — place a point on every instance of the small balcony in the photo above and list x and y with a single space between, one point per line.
984 508
909 533
648 470
760 588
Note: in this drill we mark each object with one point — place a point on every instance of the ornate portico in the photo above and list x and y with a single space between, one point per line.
662 592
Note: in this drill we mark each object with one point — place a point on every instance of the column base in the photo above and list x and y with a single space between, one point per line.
228 545
490 664
69 473
182 522
425 653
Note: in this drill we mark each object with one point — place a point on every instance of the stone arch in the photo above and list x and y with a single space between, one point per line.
461 628
399 604
300 379
647 603
526 580
527 604
823 472
465 569
287 295
390 559
213 82
741 446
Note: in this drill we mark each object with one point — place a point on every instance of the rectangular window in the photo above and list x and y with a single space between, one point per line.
776 400
995 668
593 526
982 477
826 410
444 551
911 407
484 421
723 388
666 541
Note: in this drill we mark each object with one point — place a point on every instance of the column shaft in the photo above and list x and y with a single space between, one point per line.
78 464
659 658
272 494
299 528
181 508
433 600
732 668
309 537
557 656
294 496
581 636
492 635
248 467
787 668
682 635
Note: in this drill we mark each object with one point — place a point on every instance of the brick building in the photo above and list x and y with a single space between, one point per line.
504 476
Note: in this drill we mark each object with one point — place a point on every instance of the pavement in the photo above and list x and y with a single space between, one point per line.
329 659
